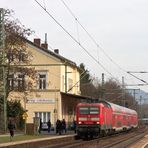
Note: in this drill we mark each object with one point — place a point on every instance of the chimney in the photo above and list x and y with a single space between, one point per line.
45 45
37 41
56 51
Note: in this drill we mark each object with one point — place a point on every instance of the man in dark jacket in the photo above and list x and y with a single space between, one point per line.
49 125
63 125
74 125
11 128
59 127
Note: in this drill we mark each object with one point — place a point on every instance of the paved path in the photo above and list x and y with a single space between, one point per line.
52 133
23 143
7 134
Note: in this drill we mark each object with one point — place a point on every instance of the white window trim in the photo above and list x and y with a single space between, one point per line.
42 73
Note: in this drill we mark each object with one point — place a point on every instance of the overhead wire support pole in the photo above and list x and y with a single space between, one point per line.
123 98
65 78
3 73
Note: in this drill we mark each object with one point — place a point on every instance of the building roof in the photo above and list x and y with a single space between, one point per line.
63 59
85 98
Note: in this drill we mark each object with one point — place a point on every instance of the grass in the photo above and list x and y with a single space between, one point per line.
6 139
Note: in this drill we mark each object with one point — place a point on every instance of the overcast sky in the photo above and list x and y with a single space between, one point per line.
120 28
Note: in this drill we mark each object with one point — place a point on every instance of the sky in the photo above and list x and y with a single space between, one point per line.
118 27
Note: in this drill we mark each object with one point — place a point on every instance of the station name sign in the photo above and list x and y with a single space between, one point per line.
41 100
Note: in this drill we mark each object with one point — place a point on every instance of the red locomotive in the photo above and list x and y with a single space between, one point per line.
94 119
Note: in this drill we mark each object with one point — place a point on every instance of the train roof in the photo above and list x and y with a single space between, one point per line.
115 108
118 108
89 104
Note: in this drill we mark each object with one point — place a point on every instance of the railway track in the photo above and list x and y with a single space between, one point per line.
122 140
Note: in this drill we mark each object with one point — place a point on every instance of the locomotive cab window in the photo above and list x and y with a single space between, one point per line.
89 110
93 110
84 110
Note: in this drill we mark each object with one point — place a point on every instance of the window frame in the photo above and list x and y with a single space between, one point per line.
42 82
88 109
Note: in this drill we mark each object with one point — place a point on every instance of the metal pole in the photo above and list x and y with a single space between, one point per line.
3 67
103 90
25 98
123 99
140 109
65 78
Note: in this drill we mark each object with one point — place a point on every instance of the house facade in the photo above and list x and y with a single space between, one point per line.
55 75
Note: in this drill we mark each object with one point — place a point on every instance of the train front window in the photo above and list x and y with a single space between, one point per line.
94 110
84 110
89 110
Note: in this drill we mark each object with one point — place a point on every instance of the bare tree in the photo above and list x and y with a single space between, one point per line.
17 54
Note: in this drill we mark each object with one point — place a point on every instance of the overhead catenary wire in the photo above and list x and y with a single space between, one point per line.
84 72
82 45
92 38
74 39
138 78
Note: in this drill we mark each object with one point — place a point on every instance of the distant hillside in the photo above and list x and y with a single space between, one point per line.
143 94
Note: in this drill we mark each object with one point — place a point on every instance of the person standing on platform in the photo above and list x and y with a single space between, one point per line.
59 127
49 125
11 128
40 127
74 125
63 125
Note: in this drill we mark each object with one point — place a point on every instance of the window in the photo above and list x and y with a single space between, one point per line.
10 56
11 82
94 110
21 56
44 116
16 81
21 81
84 110
42 81
89 110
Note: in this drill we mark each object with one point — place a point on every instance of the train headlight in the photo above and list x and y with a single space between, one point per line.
79 122
97 122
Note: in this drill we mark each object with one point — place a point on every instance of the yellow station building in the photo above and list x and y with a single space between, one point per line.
57 90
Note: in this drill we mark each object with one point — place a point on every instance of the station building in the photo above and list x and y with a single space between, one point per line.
57 89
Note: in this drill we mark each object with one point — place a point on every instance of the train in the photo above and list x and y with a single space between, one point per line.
103 118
